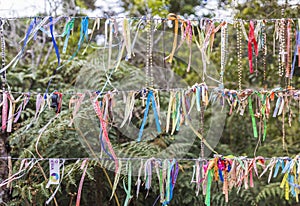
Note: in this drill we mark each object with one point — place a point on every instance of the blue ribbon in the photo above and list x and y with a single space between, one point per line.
54 42
83 31
145 117
173 176
295 52
102 141
150 97
198 98
291 179
155 113
221 175
287 167
277 168
28 33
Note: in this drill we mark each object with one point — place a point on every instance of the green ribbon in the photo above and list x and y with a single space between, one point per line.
168 182
263 99
252 117
69 26
208 187
128 189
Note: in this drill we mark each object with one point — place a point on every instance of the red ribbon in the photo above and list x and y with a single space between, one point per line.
251 40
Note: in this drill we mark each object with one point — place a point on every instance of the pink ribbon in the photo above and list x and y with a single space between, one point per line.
4 111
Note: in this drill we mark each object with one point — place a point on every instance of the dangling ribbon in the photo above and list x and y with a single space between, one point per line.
83 167
148 174
127 39
252 117
208 186
172 96
22 106
117 177
159 172
138 182
263 99
83 34
76 100
69 26
297 50
176 113
4 111
251 40
173 17
104 104
40 102
54 42
128 188
128 108
31 26
203 47
12 104
83 31
31 35
96 24
152 99
172 173
22 171
198 98
188 35
103 124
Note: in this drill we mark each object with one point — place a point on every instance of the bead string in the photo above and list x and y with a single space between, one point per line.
147 53
264 52
239 54
223 51
282 47
202 130
150 54
3 75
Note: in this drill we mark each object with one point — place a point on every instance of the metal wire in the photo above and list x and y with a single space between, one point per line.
144 158
230 19
215 88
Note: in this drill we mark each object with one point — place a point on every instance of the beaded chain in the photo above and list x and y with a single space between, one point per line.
202 130
150 54
147 53
3 76
264 51
239 53
282 47
224 37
